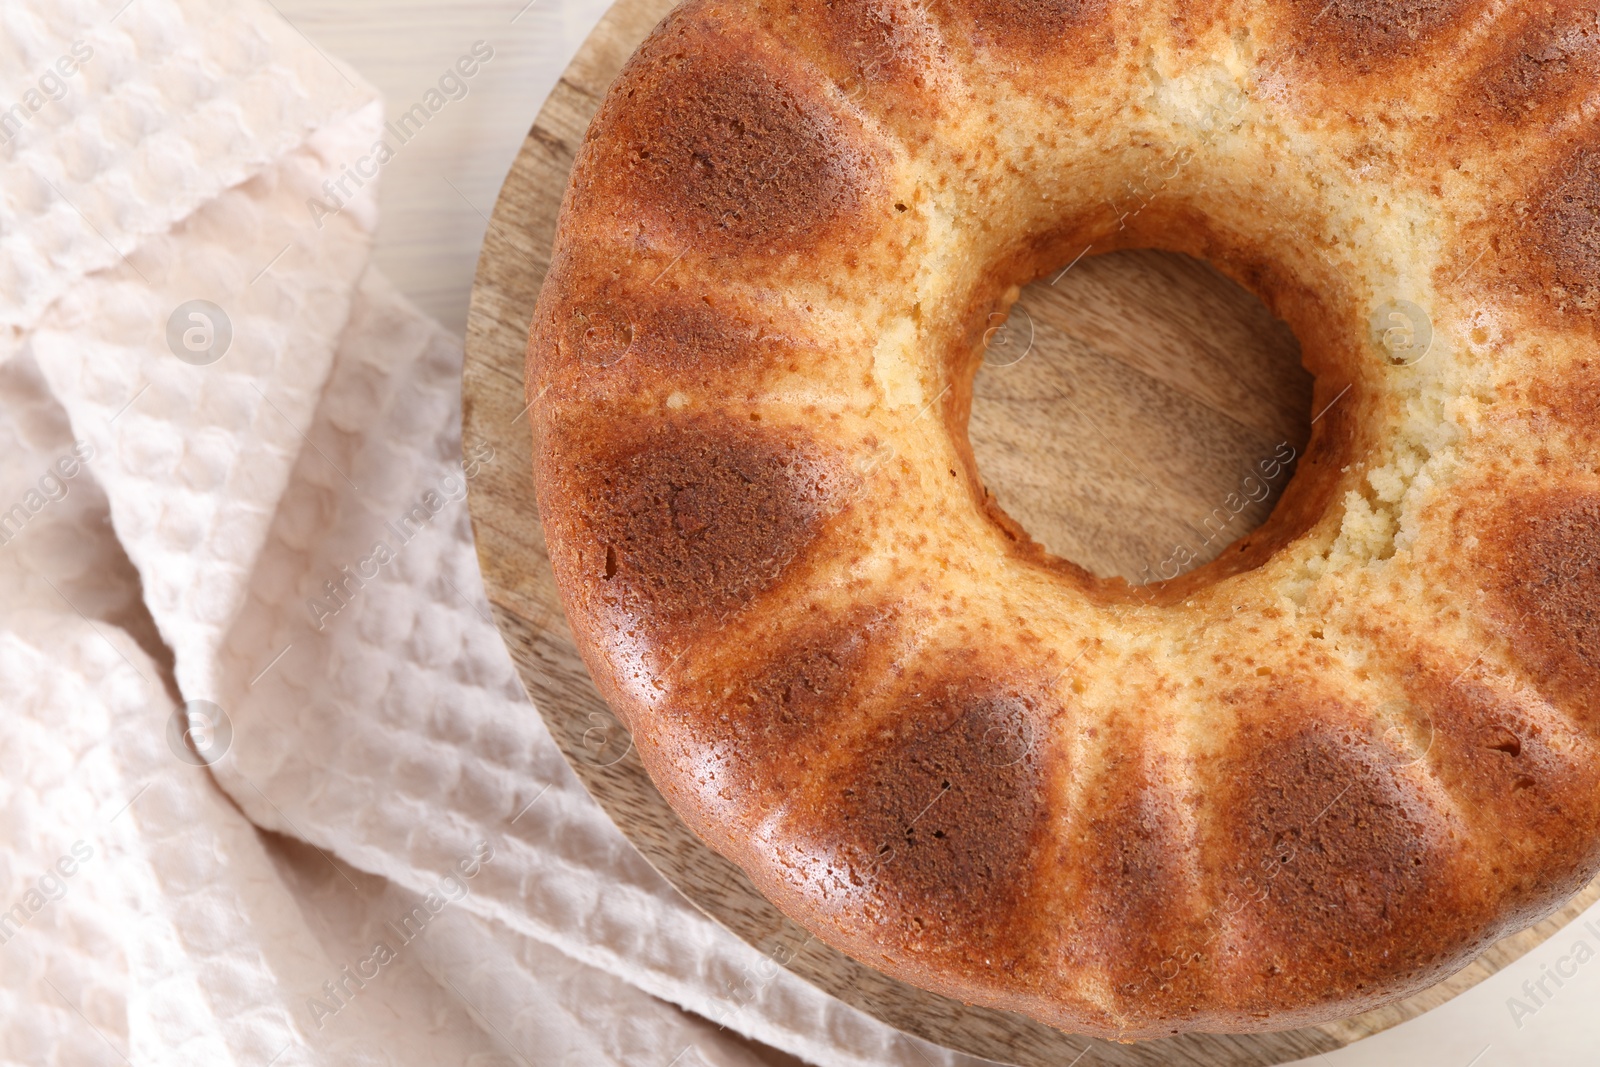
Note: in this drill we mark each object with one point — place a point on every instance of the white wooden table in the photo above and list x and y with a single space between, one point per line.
435 198
436 194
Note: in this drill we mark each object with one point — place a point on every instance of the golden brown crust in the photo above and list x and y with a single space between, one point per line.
662 530
1145 921
718 146
1370 34
1566 406
935 821
1030 26
754 736
1340 876
1313 776
1527 782
608 337
882 54
1546 580
1561 245
1538 65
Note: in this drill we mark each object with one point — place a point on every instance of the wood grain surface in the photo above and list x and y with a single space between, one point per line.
1123 402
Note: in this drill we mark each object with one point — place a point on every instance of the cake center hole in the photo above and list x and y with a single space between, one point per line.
1140 414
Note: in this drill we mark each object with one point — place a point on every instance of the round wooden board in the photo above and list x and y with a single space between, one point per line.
1123 404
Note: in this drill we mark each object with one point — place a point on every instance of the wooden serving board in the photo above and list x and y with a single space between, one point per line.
1123 403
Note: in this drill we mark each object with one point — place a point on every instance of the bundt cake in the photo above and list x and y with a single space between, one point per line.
1318 773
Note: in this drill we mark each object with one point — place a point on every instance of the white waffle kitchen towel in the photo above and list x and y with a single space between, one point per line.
213 405
122 118
141 919
146 922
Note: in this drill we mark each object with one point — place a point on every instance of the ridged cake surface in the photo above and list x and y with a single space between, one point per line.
1317 774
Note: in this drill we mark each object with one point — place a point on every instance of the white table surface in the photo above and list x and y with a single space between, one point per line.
435 197
436 194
